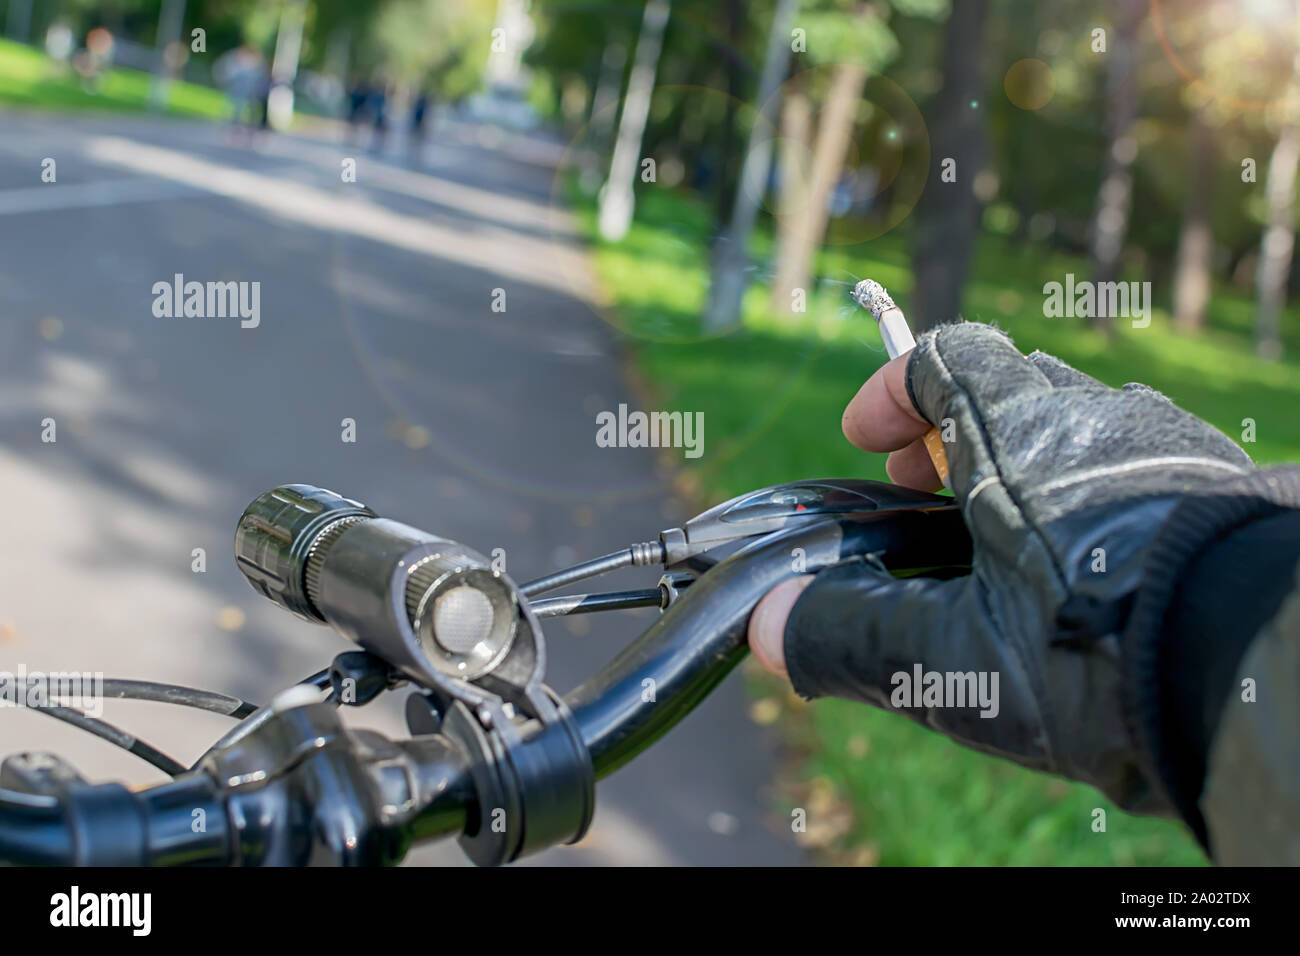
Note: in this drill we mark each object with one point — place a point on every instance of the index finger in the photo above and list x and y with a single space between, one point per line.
881 417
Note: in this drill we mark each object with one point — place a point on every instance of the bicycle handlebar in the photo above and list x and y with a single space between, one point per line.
301 790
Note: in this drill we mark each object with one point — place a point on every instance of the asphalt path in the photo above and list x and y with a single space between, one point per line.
376 306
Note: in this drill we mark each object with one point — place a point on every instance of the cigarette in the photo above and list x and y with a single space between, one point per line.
898 339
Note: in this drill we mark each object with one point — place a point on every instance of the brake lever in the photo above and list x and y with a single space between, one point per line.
788 505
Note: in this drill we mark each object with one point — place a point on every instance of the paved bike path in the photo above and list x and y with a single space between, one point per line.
375 307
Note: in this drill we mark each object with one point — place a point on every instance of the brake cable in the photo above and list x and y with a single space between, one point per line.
176 694
161 693
640 555
115 736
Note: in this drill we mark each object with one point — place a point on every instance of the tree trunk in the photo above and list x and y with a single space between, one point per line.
1115 195
1278 242
724 195
731 260
617 199
604 104
798 244
338 53
284 64
948 213
1196 237
796 151
1279 236
171 20
18 23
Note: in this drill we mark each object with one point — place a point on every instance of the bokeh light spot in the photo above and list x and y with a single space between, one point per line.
1030 84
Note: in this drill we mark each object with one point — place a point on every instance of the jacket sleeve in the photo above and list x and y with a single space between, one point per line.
1251 798
1216 700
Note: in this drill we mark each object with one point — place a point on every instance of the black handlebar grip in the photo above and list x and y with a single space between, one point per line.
278 534
108 825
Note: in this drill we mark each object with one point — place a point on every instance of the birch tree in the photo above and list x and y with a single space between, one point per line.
1278 243
1115 193
731 260
617 199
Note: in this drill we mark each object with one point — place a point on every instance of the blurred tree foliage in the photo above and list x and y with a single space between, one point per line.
1229 62
1212 76
440 44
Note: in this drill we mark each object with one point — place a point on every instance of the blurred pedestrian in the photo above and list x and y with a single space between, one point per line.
421 119
94 59
265 86
378 106
358 98
241 73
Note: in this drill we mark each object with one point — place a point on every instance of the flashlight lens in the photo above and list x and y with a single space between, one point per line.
462 619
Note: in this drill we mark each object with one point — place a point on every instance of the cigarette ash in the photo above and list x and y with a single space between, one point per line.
871 295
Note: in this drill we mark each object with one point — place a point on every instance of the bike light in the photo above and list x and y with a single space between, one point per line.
420 602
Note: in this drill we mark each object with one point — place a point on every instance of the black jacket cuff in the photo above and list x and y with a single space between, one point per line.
1216 572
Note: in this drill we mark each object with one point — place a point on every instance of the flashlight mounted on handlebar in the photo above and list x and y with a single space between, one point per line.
439 615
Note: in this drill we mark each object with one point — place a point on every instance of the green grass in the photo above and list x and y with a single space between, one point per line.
31 79
772 394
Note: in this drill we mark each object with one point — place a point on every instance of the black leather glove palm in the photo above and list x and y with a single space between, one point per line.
1063 483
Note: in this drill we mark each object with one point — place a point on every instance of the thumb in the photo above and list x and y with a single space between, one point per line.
767 623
